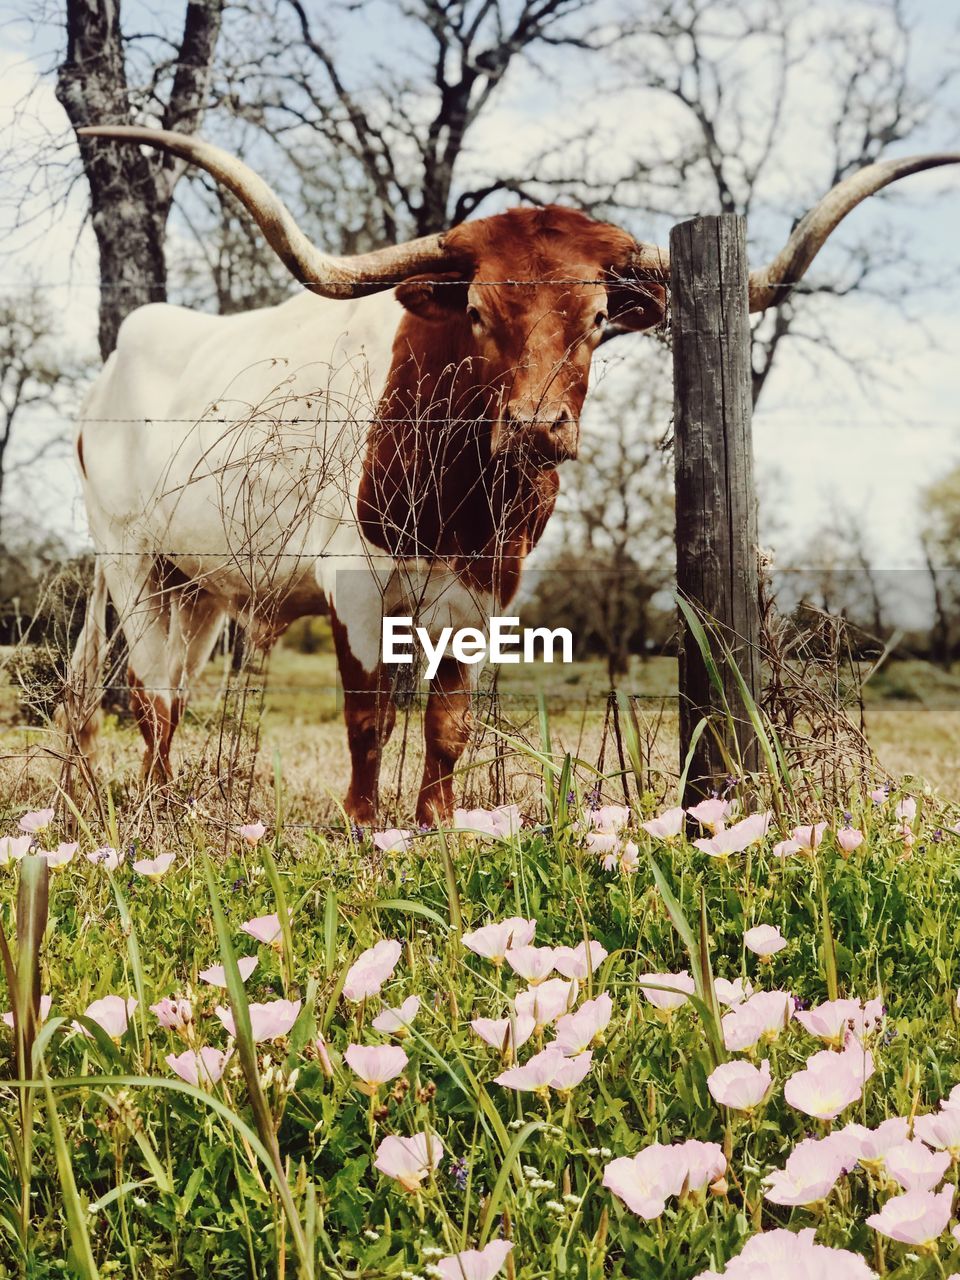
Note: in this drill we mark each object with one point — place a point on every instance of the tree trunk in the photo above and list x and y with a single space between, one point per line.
130 191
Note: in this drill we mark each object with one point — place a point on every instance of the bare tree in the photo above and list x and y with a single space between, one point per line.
940 545
617 520
34 371
400 128
131 191
758 107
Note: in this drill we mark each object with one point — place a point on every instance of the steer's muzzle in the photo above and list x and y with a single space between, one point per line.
546 434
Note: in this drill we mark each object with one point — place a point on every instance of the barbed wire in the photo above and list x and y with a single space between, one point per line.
245 689
621 281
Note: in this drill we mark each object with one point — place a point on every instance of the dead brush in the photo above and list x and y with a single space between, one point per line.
813 699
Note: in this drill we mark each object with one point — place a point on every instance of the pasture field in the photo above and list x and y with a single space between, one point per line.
288 1161
912 714
284 1123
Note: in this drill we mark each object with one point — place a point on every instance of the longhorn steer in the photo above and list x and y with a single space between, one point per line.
366 452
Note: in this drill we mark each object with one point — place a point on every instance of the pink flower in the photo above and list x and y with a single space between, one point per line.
375 1064
952 1101
13 848
609 818
915 1166
36 820
45 1005
547 1069
644 1182
268 1021
371 970
940 1129
154 868
570 1071
809 838
216 975
786 847
810 1174
577 1031
878 795
409 1160
498 1033
629 858
106 857
857 1059
829 1021
60 857
905 811
680 985
578 962
201 1069
265 929
732 993
396 1022
711 813
545 1003
475 1264
252 832
174 1015
870 1146
917 1217
493 824
493 941
532 963
705 1163
761 1016
764 940
868 1018
668 825
112 1013
740 1085
791 1255
393 840
605 844
829 1083
849 839
736 838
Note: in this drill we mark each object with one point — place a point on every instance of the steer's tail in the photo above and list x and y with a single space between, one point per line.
79 714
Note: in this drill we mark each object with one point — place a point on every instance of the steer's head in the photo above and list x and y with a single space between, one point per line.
531 340
533 294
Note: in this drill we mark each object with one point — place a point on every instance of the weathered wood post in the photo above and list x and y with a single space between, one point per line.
716 503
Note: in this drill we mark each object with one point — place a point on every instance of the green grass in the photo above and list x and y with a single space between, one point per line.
180 1185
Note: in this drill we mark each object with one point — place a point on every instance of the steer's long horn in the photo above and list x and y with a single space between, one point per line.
323 273
772 283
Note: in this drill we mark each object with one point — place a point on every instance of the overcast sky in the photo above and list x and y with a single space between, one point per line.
826 436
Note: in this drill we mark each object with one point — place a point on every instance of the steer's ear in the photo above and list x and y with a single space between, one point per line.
635 304
434 297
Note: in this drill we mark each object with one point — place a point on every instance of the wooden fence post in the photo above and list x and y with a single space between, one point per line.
716 502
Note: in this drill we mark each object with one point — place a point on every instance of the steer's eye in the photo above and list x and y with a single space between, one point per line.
473 315
600 319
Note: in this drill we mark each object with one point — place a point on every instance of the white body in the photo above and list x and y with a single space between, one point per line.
231 448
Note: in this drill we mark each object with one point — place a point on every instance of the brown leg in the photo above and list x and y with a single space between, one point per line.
447 729
156 718
370 714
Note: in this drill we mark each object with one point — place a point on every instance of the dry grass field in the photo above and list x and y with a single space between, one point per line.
238 727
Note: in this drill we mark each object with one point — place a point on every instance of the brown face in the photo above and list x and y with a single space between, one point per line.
530 343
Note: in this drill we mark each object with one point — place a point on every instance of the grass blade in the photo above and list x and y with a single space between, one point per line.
330 920
76 1217
700 967
247 1052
